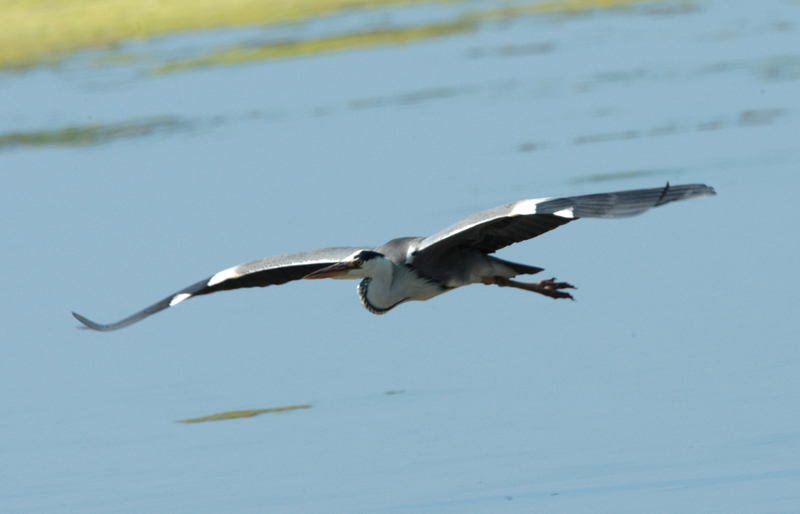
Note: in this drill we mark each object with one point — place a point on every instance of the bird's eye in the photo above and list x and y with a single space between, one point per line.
358 262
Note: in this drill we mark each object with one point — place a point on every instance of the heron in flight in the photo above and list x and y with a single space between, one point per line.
419 268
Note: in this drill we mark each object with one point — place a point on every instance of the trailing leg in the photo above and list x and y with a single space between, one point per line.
549 287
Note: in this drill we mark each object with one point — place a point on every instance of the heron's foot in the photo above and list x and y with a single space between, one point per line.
548 287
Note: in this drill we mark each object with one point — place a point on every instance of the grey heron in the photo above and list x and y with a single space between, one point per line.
419 268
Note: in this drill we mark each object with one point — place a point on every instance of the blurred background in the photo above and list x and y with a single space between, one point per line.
147 145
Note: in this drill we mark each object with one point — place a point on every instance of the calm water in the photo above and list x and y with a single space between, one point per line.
669 385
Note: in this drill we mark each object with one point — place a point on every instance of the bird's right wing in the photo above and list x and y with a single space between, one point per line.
261 273
497 228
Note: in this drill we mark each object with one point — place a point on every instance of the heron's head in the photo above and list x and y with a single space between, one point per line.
362 264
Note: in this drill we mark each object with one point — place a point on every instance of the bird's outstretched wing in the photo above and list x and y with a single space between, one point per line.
497 228
271 271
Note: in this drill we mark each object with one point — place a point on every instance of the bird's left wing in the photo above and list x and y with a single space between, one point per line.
497 228
261 273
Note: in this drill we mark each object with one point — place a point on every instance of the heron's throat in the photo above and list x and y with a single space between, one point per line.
377 299
388 285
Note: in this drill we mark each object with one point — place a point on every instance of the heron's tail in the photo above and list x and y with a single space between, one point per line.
521 269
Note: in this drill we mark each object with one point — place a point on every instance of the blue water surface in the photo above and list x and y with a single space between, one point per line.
669 385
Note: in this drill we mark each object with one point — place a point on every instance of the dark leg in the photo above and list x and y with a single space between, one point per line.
549 287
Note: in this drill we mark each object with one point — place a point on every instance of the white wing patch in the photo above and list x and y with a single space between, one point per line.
565 213
526 207
222 276
178 299
410 253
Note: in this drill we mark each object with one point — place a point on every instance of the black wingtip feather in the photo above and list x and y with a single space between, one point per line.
89 324
663 194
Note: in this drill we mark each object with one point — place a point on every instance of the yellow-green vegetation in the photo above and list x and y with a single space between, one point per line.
37 31
557 7
316 46
392 36
44 31
236 414
92 133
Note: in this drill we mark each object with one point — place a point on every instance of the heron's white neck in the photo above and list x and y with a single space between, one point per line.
377 291
387 285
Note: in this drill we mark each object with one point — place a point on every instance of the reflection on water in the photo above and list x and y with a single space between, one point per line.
287 49
623 175
331 149
236 414
397 23
97 133
746 118
40 32
94 133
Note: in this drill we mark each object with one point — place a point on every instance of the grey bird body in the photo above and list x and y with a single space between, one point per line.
420 268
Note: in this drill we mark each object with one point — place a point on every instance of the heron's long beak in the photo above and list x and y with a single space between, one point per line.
334 270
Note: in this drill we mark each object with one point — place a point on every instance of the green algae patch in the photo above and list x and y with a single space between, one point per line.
237 414
93 133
